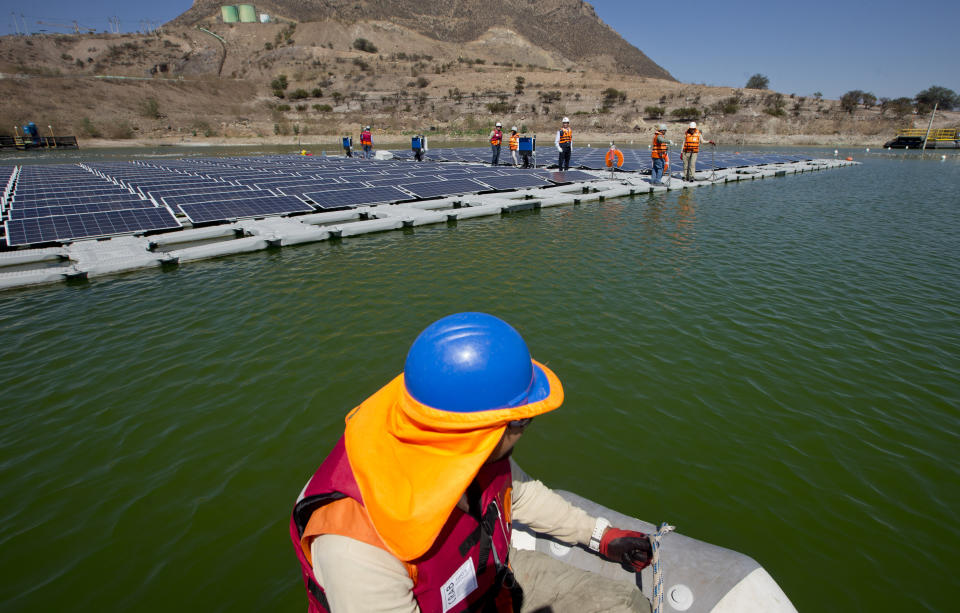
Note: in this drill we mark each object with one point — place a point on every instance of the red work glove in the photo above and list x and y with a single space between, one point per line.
631 549
711 142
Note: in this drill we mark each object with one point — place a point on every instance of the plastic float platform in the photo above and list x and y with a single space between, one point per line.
182 240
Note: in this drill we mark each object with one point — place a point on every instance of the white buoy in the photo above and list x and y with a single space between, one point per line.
835 153
943 158
588 144
868 149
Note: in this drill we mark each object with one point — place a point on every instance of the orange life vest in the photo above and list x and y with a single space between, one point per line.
496 138
566 136
691 142
514 142
658 150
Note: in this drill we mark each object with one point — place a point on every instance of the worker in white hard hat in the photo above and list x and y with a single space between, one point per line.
496 137
691 146
564 143
514 144
658 151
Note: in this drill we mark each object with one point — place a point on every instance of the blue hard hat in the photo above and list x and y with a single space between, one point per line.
470 362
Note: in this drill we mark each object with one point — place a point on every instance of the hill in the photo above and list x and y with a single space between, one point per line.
381 63
567 28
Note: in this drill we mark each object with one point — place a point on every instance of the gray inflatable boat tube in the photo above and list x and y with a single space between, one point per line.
698 577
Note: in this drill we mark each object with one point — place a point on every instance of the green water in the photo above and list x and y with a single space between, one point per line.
773 367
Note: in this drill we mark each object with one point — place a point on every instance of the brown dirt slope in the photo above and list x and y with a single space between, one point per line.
570 28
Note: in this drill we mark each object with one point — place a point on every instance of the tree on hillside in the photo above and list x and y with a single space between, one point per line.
850 100
869 99
900 107
362 44
758 81
518 86
946 98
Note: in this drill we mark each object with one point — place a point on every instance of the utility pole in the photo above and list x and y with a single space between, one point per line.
16 25
929 125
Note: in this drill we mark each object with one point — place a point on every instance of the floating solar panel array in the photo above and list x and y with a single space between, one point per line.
62 203
636 160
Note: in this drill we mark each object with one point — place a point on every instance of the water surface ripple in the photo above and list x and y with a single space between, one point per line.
772 367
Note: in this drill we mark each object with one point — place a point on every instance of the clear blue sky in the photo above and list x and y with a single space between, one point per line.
886 47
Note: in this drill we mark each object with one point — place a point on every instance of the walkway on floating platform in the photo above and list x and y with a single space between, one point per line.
92 258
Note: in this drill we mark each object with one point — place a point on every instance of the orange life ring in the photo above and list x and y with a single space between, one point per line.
614 153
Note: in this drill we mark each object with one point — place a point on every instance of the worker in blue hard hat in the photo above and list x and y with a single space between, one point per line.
412 509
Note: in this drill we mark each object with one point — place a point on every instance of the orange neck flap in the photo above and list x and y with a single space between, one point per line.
413 462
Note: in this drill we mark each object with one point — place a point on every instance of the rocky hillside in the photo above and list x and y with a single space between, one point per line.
569 28
313 81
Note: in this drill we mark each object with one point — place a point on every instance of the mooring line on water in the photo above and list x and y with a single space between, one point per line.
657 568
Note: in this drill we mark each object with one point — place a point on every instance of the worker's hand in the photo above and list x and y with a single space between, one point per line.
670 142
711 142
559 148
631 549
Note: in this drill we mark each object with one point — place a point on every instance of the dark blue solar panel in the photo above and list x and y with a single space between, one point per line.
175 201
202 212
432 189
570 175
512 182
341 198
72 209
64 228
74 198
159 194
304 188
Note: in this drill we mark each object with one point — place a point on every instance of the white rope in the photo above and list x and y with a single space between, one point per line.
657 570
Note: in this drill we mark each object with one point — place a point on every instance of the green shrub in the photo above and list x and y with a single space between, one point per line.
654 112
685 113
316 92
150 108
758 81
499 108
422 82
362 44
301 107
322 108
550 96
89 129
283 107
612 96
280 82
299 94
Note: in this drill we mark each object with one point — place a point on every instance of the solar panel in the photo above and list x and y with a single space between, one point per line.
62 228
340 198
74 198
432 189
202 212
570 175
72 209
175 201
513 182
159 194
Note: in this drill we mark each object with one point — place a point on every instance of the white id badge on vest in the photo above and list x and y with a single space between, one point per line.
459 585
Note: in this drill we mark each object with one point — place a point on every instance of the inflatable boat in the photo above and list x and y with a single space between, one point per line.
697 577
